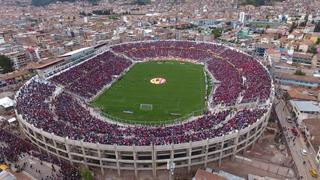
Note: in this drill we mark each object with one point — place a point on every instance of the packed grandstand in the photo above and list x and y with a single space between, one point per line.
59 105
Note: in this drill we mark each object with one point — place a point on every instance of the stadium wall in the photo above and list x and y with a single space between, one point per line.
151 158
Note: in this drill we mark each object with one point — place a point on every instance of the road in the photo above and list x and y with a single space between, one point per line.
296 145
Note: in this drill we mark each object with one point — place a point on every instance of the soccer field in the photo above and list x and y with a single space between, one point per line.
182 92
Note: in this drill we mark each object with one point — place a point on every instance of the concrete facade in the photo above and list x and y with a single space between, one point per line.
146 158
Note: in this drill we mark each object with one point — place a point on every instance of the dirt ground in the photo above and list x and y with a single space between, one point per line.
242 170
270 148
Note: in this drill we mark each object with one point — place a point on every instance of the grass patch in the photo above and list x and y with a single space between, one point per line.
182 94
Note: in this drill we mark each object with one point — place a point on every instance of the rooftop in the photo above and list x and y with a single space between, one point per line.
75 52
14 74
297 93
303 55
6 102
306 106
311 79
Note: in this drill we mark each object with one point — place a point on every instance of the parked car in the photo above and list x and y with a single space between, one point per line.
304 152
314 173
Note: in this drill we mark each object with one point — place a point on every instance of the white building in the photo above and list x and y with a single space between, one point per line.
2 41
242 17
304 109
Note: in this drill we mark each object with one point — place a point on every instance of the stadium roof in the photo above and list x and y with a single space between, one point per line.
75 52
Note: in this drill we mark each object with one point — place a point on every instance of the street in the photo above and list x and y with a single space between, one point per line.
304 163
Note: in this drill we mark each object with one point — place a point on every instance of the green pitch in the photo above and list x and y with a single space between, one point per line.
182 93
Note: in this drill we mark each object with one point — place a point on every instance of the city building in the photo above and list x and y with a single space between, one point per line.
304 109
297 80
19 59
242 17
6 175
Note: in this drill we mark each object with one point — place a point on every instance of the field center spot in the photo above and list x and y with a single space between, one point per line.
158 81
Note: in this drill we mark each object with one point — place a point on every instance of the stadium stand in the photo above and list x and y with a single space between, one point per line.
67 119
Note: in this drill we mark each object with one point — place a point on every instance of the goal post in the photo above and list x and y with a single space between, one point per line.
146 107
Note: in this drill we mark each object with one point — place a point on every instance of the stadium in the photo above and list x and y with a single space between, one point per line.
139 106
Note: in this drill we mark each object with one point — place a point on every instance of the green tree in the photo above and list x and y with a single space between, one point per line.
143 2
299 72
41 2
6 64
86 174
317 27
318 41
216 32
313 50
293 26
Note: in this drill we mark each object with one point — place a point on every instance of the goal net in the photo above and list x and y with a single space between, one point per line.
146 107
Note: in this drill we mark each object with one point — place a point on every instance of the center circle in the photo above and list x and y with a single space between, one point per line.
158 81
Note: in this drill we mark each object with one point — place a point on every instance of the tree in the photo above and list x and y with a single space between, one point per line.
292 27
318 41
143 2
6 64
304 23
228 23
313 50
103 12
216 32
86 174
299 72
259 2
317 27
41 2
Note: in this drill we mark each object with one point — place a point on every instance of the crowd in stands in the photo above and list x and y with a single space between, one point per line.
257 83
239 74
227 66
230 84
32 103
11 147
68 117
88 78
164 49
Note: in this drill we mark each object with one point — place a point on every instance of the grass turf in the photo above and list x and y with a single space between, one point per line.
182 94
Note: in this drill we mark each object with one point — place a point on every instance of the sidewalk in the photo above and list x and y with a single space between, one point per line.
294 143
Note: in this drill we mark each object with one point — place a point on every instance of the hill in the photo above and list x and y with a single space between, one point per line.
47 2
259 2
